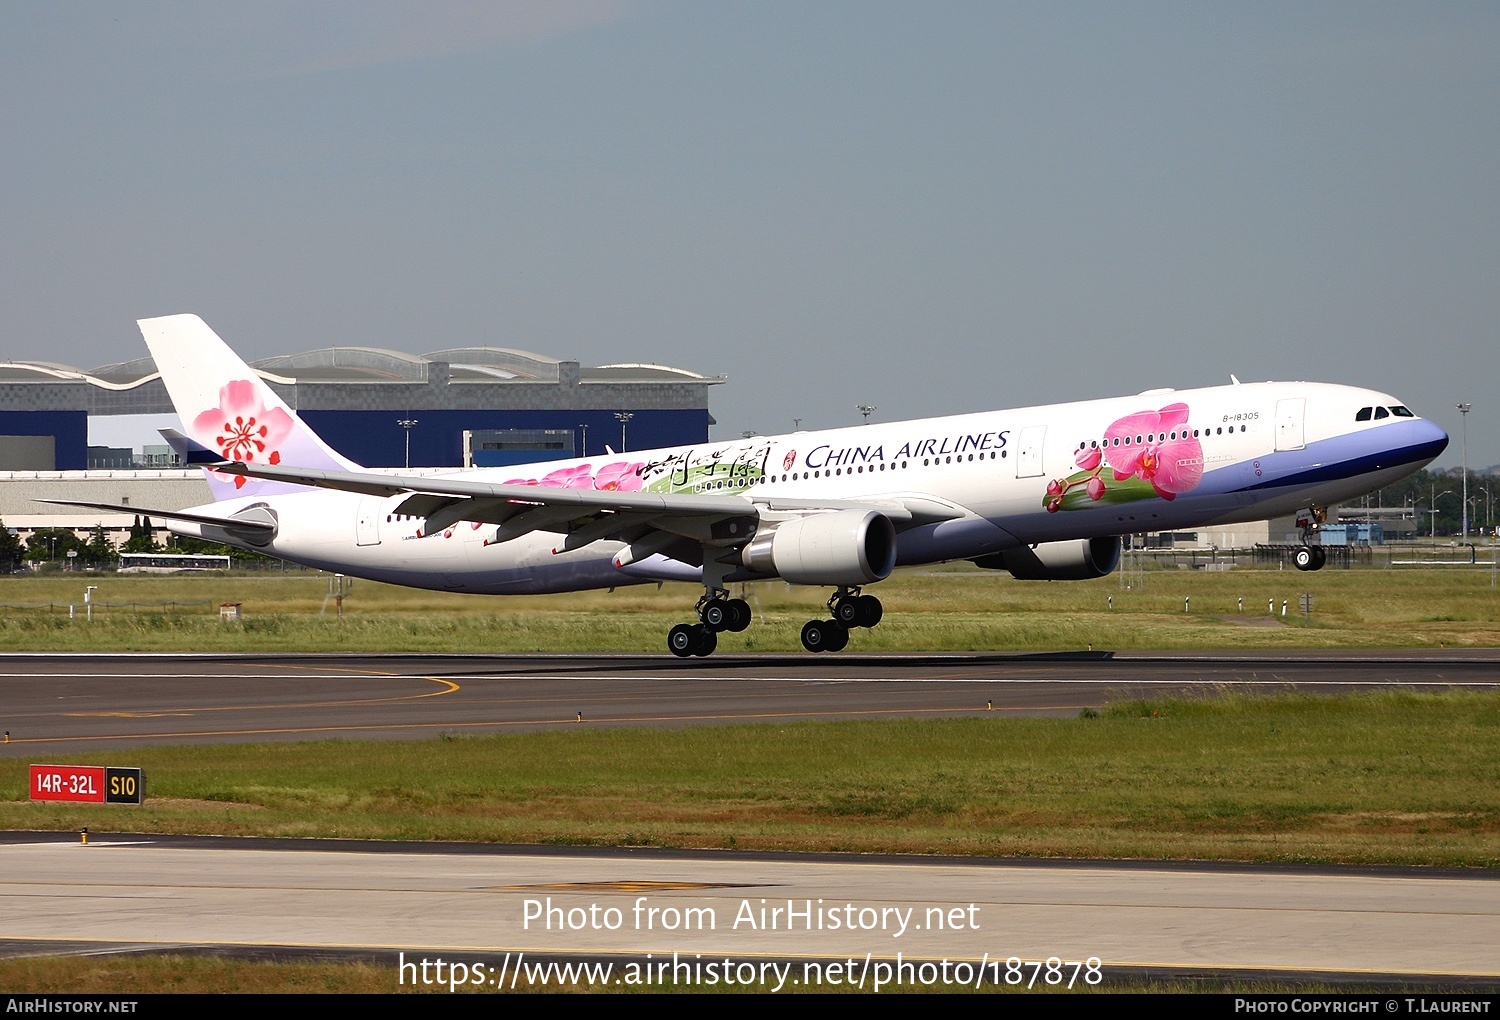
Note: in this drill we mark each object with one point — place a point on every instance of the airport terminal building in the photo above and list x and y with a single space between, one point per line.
472 406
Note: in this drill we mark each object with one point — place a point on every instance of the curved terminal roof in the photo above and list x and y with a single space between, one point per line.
368 365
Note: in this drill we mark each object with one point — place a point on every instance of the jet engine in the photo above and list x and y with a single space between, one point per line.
1080 560
843 547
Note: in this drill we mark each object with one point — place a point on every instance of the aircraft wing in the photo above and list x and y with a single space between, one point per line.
583 514
445 500
380 484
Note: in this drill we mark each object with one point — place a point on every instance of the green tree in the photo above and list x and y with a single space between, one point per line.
11 551
100 551
51 544
1418 491
141 539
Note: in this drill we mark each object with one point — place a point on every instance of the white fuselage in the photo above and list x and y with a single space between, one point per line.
1025 476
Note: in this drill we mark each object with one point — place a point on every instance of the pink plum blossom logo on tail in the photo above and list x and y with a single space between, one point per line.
242 428
1143 455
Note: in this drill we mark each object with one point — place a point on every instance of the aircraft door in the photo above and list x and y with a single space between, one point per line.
1029 452
1290 417
367 520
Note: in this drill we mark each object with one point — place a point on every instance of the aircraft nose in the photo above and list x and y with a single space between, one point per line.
1426 440
1432 435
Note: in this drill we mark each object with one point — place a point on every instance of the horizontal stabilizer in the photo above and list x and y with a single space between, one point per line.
262 522
191 451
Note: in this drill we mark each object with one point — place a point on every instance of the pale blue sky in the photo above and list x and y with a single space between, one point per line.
930 207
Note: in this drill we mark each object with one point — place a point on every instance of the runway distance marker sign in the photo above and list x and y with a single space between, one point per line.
88 784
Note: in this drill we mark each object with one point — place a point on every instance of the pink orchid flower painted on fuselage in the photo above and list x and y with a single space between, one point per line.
242 428
579 476
1145 454
617 477
1162 450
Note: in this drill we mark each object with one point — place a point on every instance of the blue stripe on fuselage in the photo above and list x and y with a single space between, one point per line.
1355 453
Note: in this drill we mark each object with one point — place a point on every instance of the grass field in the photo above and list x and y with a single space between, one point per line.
957 608
1396 778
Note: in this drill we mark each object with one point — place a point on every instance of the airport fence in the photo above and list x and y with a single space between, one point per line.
1388 556
79 609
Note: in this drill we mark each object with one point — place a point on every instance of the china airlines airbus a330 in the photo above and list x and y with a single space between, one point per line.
1043 492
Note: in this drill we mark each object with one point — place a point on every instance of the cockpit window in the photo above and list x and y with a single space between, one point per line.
1364 414
1401 412
1381 412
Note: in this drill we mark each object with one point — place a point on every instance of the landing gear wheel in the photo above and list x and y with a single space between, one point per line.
815 636
870 611
847 610
717 615
682 640
1320 557
740 614
1304 558
835 635
707 641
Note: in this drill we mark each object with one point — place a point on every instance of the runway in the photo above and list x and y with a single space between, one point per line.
469 903
476 904
60 703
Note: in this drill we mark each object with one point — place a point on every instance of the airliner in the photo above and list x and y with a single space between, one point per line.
1043 492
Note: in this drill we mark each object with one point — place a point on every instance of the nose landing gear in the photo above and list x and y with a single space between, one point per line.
1309 556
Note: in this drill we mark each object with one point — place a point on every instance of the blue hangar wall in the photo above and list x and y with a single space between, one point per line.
69 428
373 439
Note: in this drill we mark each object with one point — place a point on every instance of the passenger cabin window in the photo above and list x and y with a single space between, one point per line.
1364 414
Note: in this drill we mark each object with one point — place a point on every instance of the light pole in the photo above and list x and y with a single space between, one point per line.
408 424
585 451
866 410
623 416
1463 409
1432 509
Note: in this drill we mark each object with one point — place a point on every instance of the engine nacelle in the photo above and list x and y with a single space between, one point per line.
840 547
1082 560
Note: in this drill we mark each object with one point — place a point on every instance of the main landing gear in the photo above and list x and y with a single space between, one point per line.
716 612
849 609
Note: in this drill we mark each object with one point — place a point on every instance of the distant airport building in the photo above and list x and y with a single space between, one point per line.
452 408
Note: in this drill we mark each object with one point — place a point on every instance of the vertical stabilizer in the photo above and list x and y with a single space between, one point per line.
229 409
